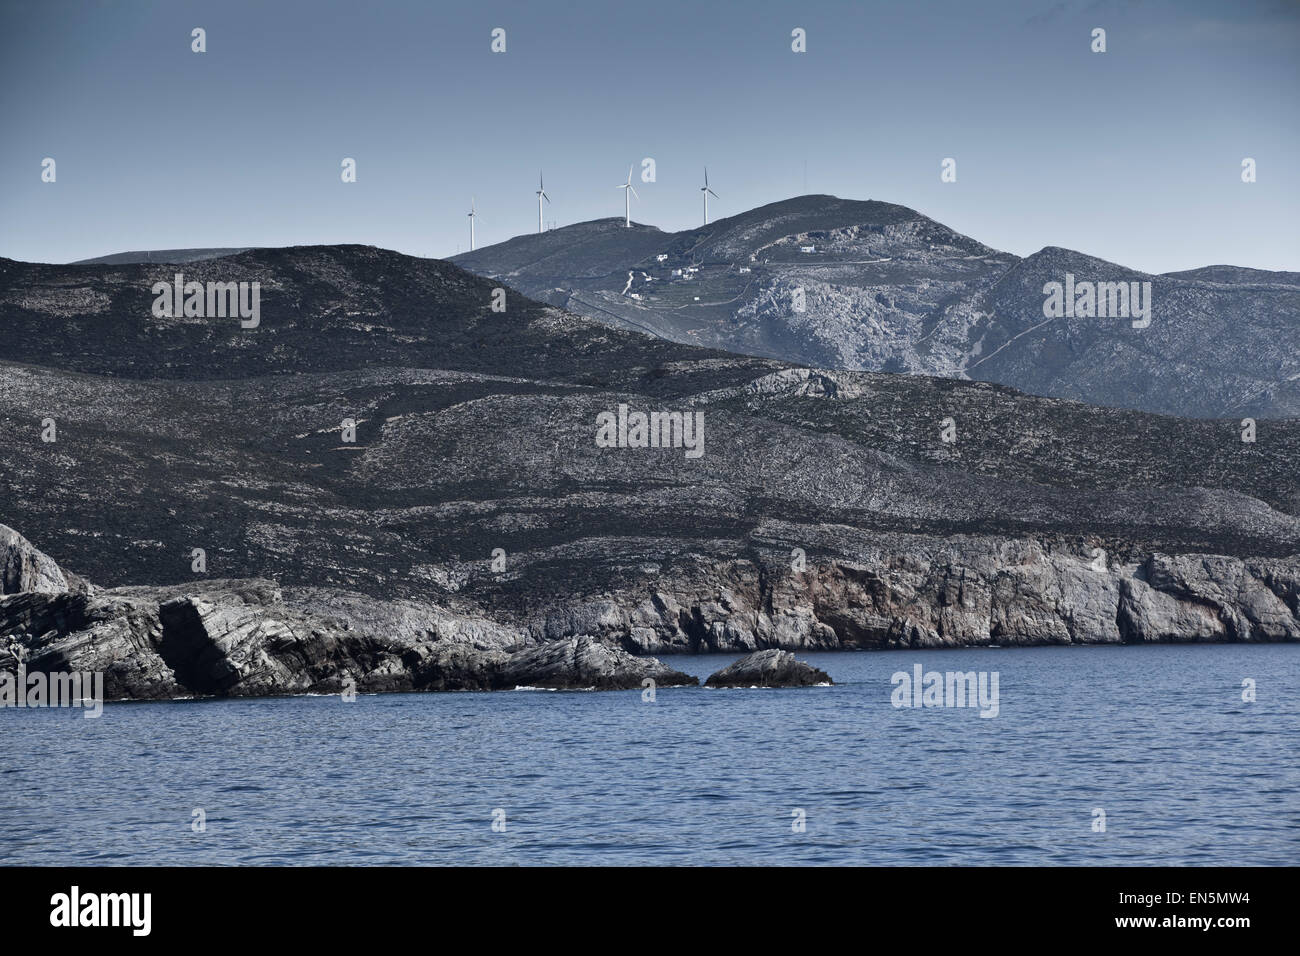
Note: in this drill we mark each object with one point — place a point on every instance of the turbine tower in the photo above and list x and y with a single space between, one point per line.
472 216
541 194
627 199
707 192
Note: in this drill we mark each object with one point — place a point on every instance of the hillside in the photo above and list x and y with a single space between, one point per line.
825 510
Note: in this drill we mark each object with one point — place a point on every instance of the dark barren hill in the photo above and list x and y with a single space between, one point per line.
885 288
324 309
474 522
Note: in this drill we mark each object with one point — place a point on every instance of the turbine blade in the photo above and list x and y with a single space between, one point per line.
713 194
633 188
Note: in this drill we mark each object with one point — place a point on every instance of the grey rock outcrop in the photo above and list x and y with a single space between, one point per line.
769 668
225 638
581 663
241 638
24 568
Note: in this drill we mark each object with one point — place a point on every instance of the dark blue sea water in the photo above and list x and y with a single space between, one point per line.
1157 737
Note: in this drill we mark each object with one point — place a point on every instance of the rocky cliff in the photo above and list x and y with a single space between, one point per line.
250 638
244 638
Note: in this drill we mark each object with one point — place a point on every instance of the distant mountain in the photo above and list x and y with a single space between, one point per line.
834 283
476 514
1236 275
159 255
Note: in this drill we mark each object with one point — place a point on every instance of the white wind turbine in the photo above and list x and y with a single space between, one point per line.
472 216
707 192
627 200
541 194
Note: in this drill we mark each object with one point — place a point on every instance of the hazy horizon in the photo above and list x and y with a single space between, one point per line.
1132 155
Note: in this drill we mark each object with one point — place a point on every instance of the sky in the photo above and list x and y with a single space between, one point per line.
1132 155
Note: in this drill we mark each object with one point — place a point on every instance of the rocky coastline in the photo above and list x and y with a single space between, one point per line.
250 637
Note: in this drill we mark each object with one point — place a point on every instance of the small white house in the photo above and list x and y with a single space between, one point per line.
807 248
677 273
744 269
661 257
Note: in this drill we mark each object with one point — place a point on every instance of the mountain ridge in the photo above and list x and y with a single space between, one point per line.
874 286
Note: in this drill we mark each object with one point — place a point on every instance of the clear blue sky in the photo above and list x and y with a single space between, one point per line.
1132 155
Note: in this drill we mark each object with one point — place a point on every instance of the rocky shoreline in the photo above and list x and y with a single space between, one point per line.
241 638
250 637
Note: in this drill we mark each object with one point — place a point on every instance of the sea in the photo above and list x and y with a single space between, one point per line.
1146 755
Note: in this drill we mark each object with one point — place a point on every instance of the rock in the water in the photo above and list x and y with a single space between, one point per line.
580 663
770 668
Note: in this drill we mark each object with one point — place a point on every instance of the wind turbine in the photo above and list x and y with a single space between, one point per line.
541 194
627 200
472 216
707 192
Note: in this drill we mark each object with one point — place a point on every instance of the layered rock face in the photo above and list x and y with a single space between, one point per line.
241 638
770 668
912 592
